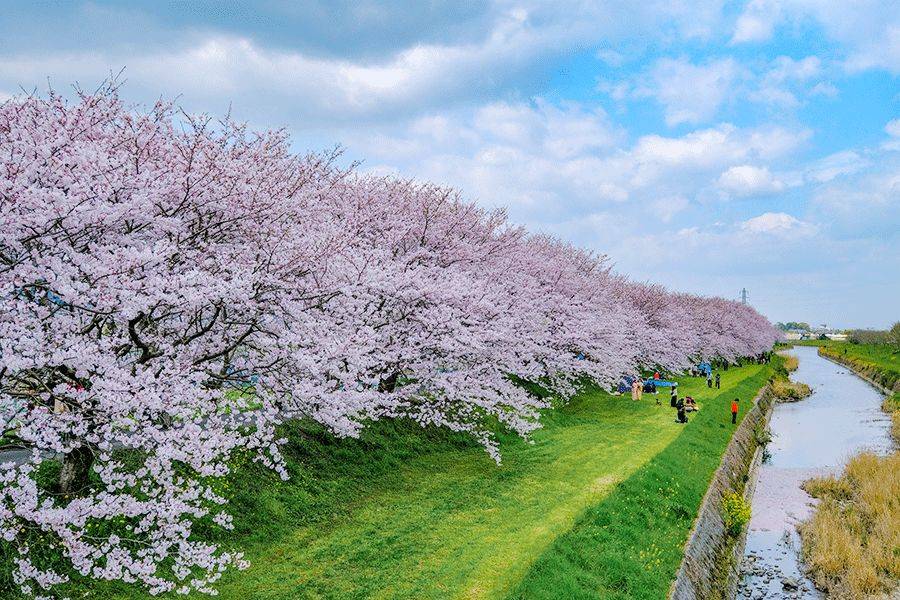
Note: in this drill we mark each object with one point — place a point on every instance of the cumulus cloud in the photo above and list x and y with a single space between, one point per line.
787 77
234 67
748 180
893 131
553 164
863 205
776 224
868 31
846 162
893 128
756 23
690 93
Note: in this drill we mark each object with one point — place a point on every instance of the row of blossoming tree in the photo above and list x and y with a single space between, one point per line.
154 265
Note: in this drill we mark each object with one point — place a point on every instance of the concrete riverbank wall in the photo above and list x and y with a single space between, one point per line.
711 565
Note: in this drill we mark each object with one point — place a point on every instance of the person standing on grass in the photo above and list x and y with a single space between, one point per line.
635 385
734 411
718 382
674 398
709 379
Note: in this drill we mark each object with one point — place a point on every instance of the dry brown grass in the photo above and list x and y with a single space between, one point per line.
789 391
791 362
895 426
891 405
851 544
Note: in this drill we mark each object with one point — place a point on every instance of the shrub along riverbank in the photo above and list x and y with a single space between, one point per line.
851 544
599 505
783 388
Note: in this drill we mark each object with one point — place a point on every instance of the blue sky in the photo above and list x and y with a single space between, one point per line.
708 146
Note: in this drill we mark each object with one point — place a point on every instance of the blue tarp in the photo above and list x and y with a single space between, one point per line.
705 368
662 382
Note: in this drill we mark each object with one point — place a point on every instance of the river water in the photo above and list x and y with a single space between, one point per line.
812 437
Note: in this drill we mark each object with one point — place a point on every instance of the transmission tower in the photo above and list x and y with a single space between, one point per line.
744 294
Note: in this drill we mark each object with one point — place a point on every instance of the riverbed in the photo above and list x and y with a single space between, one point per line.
811 438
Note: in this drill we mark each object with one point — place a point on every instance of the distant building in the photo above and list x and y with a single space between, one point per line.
798 334
838 337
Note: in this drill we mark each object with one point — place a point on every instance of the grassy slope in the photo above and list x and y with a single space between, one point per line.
630 544
869 357
406 513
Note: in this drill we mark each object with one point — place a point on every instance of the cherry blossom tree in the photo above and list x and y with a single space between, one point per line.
141 275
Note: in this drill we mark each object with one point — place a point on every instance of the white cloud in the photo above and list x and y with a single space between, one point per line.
236 68
893 128
611 57
666 208
772 223
786 78
690 93
868 31
554 164
865 205
824 88
211 69
748 180
721 145
836 165
893 131
756 23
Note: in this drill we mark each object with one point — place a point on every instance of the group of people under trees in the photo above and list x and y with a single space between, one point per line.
688 403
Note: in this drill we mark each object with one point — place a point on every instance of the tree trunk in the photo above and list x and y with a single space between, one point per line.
76 466
389 383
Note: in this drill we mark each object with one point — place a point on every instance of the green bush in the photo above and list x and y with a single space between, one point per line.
735 512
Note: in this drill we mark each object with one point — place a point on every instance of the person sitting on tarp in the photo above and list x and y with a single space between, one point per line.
682 415
690 405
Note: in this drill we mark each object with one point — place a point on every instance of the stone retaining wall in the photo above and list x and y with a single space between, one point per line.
711 565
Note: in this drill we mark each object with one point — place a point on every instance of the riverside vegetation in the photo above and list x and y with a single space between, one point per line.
783 388
851 545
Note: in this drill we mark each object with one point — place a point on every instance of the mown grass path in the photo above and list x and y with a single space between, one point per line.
449 523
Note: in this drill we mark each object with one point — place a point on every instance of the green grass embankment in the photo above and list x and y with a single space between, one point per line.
630 544
599 505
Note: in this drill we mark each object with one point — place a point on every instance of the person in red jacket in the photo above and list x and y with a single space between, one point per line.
734 411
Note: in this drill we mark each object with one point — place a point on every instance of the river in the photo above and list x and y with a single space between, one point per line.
812 437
